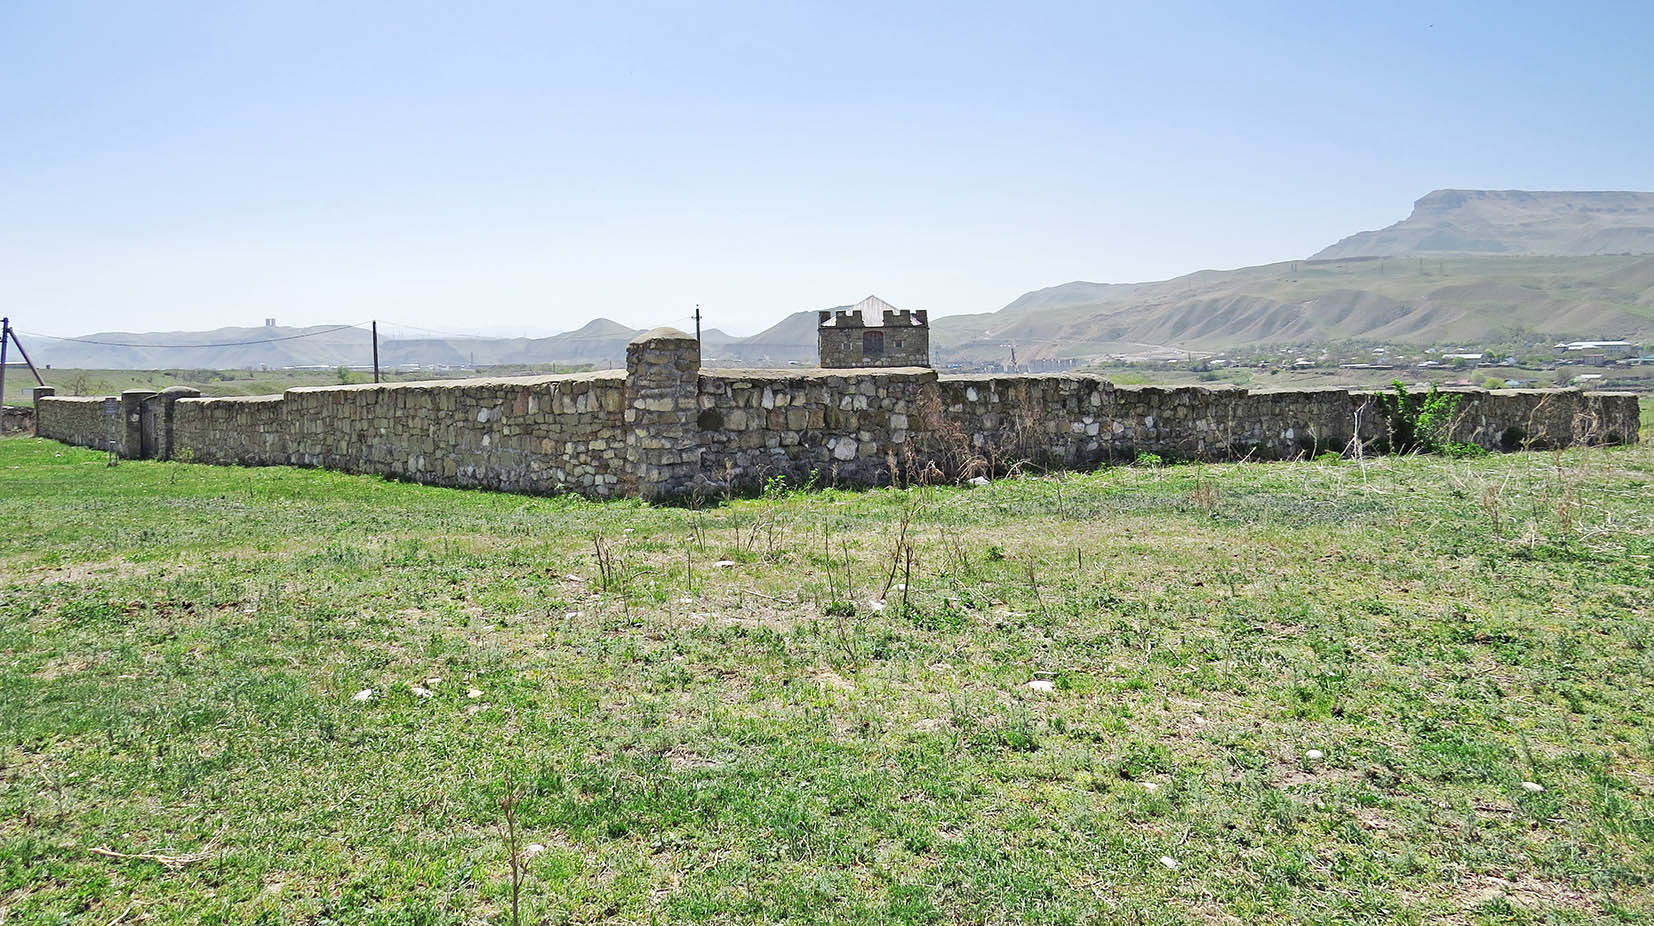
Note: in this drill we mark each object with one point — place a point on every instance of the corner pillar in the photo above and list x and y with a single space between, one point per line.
663 452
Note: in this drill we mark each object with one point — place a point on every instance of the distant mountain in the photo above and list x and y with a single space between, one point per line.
1076 293
791 340
1438 300
220 348
600 343
1511 222
1468 265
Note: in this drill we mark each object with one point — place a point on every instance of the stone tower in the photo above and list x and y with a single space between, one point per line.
901 339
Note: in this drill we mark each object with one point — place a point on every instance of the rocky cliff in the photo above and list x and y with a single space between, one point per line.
1511 222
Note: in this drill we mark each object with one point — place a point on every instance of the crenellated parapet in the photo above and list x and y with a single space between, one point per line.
844 340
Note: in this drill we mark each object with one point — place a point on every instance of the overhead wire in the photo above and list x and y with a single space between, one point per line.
290 337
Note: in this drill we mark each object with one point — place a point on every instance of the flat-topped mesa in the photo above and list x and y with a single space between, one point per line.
844 340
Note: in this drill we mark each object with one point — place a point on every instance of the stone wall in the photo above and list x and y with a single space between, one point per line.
821 425
521 434
15 418
664 426
85 421
1523 419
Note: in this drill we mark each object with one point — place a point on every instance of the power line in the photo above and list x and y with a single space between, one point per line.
449 334
290 337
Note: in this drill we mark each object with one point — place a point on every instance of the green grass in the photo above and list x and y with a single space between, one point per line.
758 742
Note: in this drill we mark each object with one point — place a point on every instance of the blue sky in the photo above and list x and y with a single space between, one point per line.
184 166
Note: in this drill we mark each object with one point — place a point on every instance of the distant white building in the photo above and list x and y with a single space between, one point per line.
1608 348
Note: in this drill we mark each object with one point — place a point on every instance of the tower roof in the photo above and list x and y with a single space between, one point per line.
873 305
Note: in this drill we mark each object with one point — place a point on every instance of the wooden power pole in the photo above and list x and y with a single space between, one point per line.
376 350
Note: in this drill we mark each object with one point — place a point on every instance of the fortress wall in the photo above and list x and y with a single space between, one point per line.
236 430
530 434
831 427
1522 419
80 420
666 427
522 435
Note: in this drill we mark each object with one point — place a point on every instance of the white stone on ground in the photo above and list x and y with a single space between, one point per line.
1169 862
421 691
1042 684
1532 787
1315 755
363 696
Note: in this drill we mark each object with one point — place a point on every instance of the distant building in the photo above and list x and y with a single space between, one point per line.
845 340
269 323
1605 348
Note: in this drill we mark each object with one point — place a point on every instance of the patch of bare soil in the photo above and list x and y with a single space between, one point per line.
1523 891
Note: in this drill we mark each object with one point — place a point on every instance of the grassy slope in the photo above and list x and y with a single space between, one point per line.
179 647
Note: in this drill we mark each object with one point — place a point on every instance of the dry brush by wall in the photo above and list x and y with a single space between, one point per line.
665 426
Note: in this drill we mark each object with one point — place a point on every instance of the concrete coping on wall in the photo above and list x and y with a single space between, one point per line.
245 399
1054 375
1473 390
819 374
481 381
79 398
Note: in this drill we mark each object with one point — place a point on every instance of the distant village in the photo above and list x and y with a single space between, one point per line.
1596 364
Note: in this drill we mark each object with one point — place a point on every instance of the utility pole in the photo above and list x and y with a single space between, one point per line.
697 323
25 354
376 350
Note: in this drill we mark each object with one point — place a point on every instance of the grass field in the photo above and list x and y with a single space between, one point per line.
1313 692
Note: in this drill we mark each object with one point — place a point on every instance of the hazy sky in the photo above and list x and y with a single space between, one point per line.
461 165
